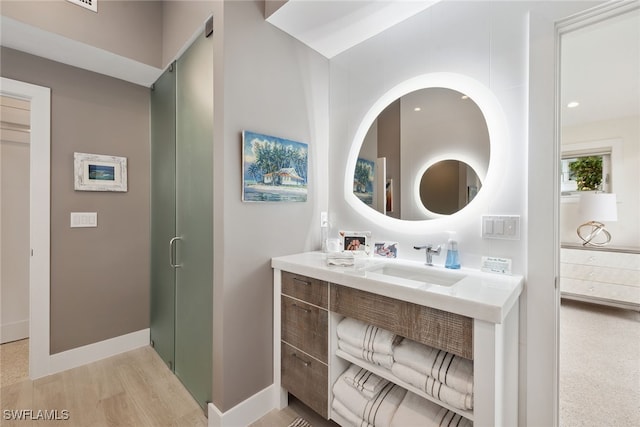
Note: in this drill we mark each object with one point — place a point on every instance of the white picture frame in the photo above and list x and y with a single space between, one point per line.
355 242
96 172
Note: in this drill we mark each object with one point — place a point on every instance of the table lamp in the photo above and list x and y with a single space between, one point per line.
595 208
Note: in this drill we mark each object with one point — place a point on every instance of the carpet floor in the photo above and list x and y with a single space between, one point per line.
599 366
14 362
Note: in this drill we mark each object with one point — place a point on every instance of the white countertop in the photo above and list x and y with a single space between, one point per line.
483 296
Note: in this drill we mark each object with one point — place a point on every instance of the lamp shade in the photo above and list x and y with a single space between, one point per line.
598 207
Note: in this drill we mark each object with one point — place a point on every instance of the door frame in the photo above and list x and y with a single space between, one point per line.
575 22
39 220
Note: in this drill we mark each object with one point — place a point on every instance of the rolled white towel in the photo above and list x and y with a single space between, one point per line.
416 411
365 382
377 411
368 337
349 416
454 371
433 387
382 359
340 420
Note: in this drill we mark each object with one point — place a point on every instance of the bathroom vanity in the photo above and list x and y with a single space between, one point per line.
467 313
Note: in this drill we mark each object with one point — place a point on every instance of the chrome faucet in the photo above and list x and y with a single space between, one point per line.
429 251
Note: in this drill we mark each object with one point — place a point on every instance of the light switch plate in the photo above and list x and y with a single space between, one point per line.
506 227
324 219
84 219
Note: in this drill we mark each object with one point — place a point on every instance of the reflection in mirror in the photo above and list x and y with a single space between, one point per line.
448 186
420 128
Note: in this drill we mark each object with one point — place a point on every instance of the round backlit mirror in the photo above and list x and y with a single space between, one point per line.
425 155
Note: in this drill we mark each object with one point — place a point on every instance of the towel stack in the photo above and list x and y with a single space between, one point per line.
365 400
367 342
442 375
416 411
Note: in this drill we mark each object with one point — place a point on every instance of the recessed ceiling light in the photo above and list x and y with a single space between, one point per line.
573 104
464 97
417 109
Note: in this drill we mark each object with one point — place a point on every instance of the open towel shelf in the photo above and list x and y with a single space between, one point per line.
387 374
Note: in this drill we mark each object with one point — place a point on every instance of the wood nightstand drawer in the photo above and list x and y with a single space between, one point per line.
305 378
305 327
308 289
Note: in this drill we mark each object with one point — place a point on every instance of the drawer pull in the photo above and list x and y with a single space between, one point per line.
304 282
306 310
306 364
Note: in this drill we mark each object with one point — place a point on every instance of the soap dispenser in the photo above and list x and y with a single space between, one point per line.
453 261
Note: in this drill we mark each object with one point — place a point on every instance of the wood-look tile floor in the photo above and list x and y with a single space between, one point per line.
284 417
131 389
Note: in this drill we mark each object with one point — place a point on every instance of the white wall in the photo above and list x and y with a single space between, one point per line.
509 47
625 179
491 50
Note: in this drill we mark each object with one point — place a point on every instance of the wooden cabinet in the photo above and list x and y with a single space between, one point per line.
304 340
308 360
436 328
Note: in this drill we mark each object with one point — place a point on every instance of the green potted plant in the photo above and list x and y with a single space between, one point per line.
587 172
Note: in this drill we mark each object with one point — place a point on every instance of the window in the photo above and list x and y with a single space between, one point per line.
607 153
584 173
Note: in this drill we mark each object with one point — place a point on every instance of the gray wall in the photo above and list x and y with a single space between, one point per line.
132 29
180 19
99 276
264 81
275 85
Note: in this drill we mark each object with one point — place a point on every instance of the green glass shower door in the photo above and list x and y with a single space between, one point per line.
182 218
163 214
194 218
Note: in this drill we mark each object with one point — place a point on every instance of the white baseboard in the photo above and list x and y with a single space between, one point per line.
14 331
246 412
93 352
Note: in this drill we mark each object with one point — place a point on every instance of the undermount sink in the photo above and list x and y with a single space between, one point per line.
425 274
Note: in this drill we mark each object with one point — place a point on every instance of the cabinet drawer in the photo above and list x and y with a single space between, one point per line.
305 378
436 328
311 290
305 327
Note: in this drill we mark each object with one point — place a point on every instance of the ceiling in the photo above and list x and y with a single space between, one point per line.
331 26
600 69
600 63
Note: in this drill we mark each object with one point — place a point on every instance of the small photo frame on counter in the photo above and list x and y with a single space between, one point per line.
386 249
356 242
95 172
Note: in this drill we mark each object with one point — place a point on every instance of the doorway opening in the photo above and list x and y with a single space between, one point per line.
599 138
14 239
38 243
